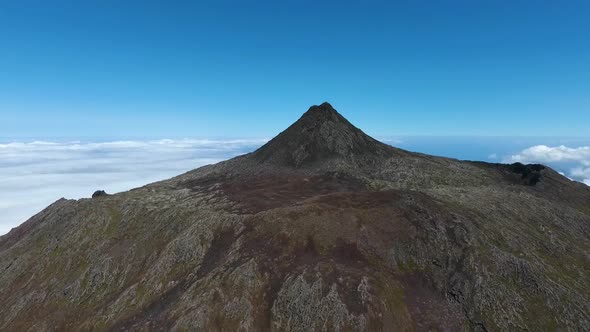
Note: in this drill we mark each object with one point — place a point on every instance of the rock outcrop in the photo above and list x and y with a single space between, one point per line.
99 193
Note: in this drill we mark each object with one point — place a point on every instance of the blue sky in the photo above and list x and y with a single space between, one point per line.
222 69
116 94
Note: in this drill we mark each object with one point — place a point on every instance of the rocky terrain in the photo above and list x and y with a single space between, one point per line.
323 228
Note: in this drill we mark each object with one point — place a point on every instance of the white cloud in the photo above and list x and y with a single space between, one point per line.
547 154
390 140
576 160
35 174
581 172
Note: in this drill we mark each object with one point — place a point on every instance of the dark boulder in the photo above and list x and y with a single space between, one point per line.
530 174
99 193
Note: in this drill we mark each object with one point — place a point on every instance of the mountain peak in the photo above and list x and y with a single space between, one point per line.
322 115
324 108
321 134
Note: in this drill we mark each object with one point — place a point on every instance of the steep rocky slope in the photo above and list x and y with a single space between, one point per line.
323 228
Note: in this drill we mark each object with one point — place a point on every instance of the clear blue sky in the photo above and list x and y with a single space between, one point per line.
180 69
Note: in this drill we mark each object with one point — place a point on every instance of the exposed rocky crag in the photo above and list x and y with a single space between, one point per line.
323 228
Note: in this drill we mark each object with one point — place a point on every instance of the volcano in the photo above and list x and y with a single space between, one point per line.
322 228
319 136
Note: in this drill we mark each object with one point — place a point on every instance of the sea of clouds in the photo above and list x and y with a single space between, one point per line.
34 174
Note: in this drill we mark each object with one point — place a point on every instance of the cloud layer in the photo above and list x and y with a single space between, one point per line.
35 174
576 160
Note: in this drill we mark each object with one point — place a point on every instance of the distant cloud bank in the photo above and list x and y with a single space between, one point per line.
577 160
35 174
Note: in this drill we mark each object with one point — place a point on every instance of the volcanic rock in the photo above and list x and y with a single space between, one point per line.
99 193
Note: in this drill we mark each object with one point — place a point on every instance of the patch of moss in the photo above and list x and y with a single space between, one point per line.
115 219
538 316
395 301
408 266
